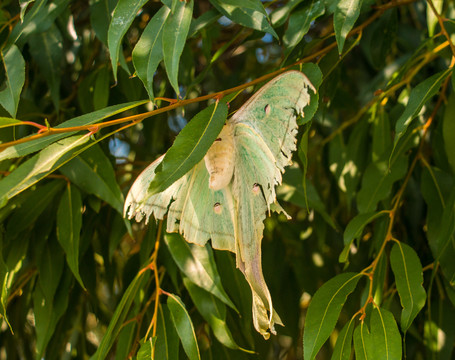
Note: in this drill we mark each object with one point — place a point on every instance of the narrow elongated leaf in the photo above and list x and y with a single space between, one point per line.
184 326
26 213
446 240
86 119
39 166
100 17
213 311
5 285
123 16
300 21
354 230
148 52
343 346
417 99
344 18
409 279
324 310
14 66
249 13
7 122
47 50
48 313
190 146
38 19
93 172
167 340
69 223
363 344
280 14
119 316
385 335
174 37
448 131
50 267
198 265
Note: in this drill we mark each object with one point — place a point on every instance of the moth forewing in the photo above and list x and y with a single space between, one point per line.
219 159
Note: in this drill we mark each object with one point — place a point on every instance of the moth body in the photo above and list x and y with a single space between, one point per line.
219 160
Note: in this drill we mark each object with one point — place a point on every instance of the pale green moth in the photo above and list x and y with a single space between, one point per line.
226 196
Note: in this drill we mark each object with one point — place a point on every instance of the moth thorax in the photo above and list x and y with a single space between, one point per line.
219 160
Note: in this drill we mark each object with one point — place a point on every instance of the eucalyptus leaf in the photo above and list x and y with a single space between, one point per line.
124 13
14 67
409 279
175 33
324 310
344 18
184 326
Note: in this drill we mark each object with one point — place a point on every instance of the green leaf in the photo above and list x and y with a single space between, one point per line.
280 14
363 344
39 166
409 279
324 309
47 50
197 263
377 182
93 172
146 349
174 37
124 14
26 213
385 335
7 122
249 13
300 22
120 314
38 19
343 346
190 146
5 285
417 99
382 140
48 313
448 131
354 230
344 18
167 340
213 311
86 119
148 53
184 326
50 267
14 66
69 223
100 17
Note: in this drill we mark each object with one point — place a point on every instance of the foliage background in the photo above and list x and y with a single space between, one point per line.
375 166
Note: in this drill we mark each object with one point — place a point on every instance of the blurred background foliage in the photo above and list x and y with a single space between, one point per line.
375 166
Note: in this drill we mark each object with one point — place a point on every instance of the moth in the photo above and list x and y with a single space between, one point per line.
226 196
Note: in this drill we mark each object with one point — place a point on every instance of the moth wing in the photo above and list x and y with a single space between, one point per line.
253 183
272 113
140 204
200 213
192 210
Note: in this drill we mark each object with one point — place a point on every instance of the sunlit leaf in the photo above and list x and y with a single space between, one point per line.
344 18
14 67
190 146
124 14
324 310
174 36
184 326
